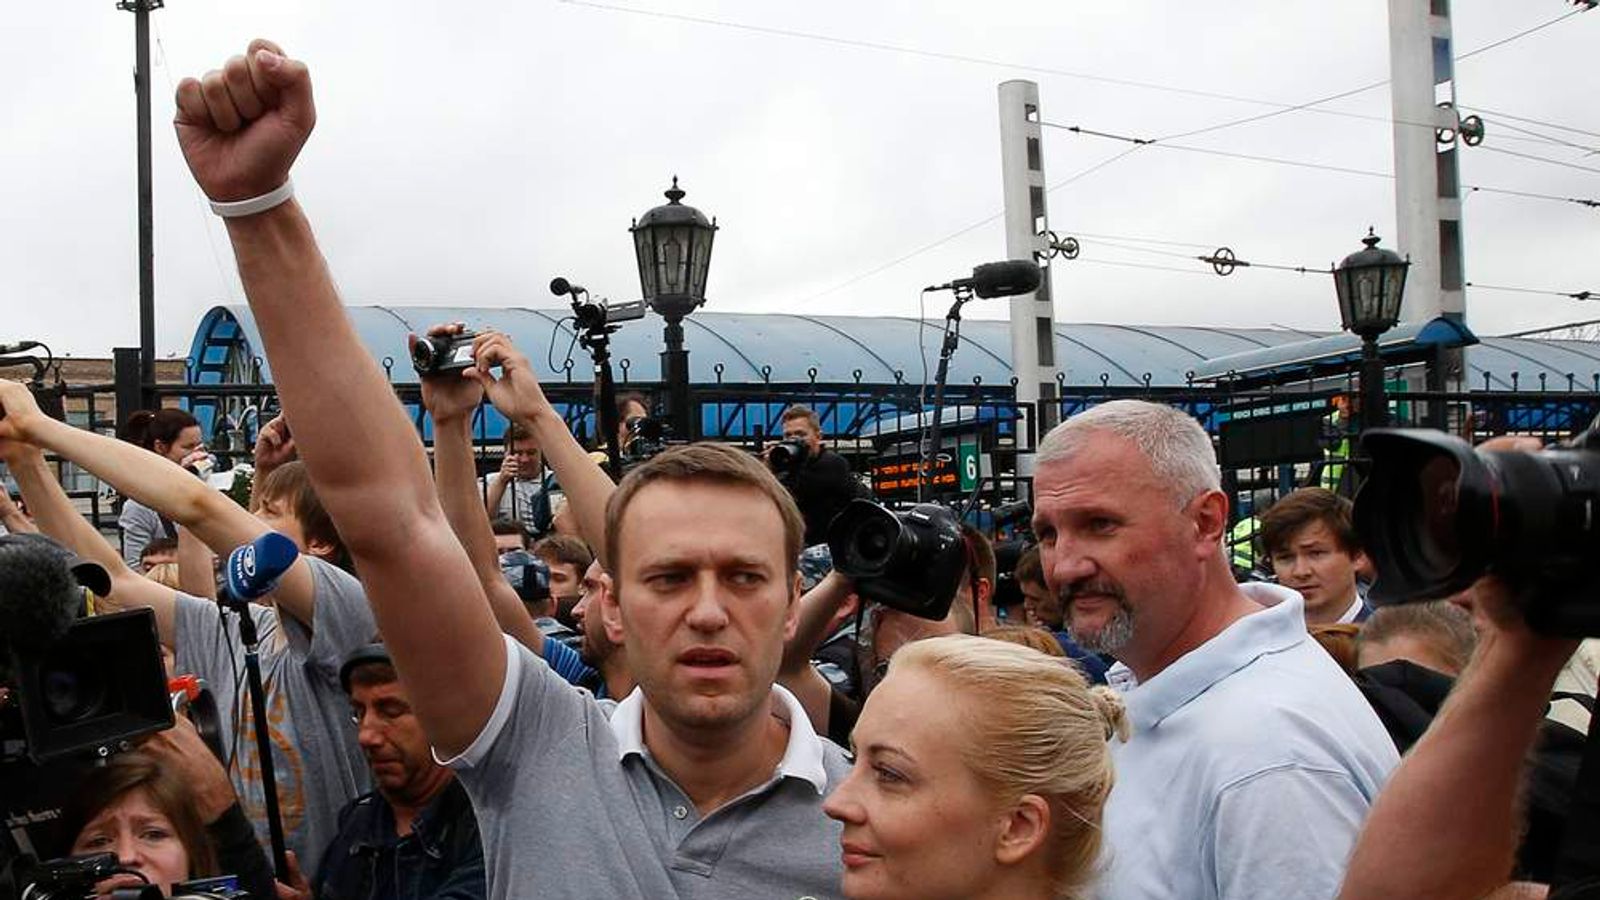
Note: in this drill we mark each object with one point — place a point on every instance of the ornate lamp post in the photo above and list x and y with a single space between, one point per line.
1370 283
673 246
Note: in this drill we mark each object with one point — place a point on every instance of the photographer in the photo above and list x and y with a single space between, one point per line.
521 490
819 479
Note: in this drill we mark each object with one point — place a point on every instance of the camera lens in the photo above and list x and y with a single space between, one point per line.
874 542
1439 487
422 354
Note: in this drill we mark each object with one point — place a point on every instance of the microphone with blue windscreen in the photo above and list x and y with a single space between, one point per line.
253 569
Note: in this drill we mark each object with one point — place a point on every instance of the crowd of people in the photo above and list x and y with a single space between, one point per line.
546 683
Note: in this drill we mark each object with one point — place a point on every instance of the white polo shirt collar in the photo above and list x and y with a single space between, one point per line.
802 756
1278 627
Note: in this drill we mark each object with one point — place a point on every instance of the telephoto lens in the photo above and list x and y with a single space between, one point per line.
1435 515
788 455
432 355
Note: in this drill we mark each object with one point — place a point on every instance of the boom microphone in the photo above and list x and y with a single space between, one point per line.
997 279
253 569
19 347
562 287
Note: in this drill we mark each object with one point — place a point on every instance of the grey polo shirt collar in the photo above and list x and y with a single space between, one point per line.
1278 627
802 757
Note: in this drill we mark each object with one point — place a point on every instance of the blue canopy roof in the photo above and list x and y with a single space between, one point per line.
745 348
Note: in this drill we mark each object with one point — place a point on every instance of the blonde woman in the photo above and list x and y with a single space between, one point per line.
981 771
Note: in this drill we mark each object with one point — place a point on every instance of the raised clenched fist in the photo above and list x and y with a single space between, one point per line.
240 127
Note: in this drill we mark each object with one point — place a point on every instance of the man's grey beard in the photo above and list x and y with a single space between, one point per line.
1109 638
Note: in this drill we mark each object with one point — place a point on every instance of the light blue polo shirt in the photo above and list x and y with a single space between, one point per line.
1252 764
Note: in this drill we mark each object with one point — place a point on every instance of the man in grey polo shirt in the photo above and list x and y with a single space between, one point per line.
1253 758
710 782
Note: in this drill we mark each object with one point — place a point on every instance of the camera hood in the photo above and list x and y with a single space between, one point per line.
1427 514
911 561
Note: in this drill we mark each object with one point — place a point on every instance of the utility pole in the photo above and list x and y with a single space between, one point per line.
1427 181
141 10
1033 337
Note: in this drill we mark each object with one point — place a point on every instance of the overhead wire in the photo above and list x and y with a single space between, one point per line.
1572 295
1152 142
1544 159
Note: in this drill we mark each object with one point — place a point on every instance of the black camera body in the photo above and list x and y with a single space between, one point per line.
72 877
1435 515
788 455
529 575
647 436
594 315
433 355
910 561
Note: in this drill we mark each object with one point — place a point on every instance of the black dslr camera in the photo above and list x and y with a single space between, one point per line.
910 561
1436 514
788 455
432 355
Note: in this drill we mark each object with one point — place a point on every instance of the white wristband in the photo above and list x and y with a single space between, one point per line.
236 208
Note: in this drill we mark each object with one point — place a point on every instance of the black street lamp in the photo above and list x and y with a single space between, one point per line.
1370 283
673 245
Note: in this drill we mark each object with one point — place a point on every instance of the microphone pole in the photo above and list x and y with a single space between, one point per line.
253 571
952 337
595 332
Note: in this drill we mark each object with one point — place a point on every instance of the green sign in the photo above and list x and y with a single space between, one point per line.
967 465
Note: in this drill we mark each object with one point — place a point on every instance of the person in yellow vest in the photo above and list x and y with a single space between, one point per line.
1336 444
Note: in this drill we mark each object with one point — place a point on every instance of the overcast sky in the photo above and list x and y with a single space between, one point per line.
465 153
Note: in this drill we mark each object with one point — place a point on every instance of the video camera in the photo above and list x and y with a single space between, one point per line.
647 436
910 561
1435 515
433 355
76 690
74 877
595 315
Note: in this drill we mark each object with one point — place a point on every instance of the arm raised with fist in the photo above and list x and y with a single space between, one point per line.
241 128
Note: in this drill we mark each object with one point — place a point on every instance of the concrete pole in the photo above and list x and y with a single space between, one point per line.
1033 345
1427 178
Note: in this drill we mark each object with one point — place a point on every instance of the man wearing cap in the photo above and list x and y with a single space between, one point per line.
415 835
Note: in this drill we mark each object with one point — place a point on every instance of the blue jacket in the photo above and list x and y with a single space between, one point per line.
441 859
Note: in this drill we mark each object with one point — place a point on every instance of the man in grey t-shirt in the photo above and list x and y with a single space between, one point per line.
703 542
318 615
316 760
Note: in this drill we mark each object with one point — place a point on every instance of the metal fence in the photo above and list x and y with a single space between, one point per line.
1270 439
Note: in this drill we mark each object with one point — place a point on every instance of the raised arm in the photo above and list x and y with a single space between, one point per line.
274 447
451 400
1447 823
197 566
240 131
517 394
59 519
818 608
162 486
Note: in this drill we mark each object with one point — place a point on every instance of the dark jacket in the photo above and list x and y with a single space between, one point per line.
441 858
821 486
